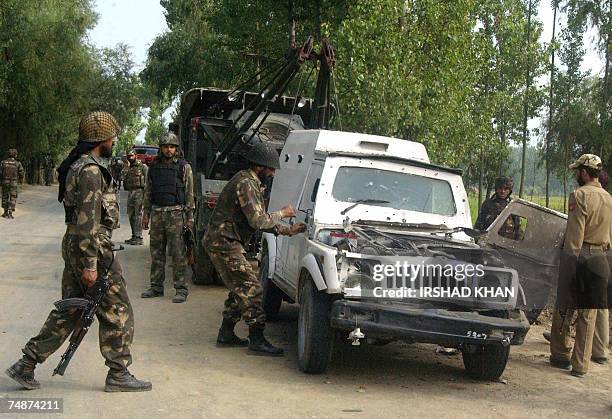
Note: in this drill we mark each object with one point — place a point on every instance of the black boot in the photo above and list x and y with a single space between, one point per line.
22 371
150 293
258 345
124 381
5 214
227 337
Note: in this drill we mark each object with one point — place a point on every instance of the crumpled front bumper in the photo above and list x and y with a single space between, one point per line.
440 326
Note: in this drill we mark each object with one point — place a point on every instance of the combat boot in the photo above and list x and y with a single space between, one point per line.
22 372
258 345
117 381
10 215
151 293
130 240
137 241
5 214
180 297
227 337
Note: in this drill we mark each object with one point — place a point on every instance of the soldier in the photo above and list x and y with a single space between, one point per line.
493 206
584 273
92 212
11 173
169 205
116 170
135 179
239 213
49 166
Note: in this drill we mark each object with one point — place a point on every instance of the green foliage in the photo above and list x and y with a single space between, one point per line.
156 123
50 77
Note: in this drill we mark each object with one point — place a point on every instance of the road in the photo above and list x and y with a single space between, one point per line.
175 348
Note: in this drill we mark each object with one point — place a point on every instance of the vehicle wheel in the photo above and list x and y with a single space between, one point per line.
486 362
204 270
314 333
272 295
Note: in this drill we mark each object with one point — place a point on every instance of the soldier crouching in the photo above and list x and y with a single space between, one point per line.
92 212
239 213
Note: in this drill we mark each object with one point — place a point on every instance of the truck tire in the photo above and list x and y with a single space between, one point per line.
314 333
272 295
204 270
486 362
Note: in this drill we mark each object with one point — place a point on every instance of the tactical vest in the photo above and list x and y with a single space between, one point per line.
109 218
10 170
167 185
135 177
227 219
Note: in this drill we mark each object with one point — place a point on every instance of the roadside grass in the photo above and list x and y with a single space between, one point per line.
556 203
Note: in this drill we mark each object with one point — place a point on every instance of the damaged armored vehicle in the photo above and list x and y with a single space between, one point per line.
388 254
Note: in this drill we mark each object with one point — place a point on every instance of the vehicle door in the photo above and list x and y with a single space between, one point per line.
529 238
296 245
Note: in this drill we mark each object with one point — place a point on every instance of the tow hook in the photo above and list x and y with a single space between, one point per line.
355 335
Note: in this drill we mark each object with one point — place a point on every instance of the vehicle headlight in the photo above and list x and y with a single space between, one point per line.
359 282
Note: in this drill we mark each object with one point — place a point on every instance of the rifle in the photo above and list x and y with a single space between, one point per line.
189 240
88 307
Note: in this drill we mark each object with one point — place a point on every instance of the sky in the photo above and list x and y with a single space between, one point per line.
132 22
137 23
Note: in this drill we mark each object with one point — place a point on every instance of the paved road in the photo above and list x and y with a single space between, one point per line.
174 347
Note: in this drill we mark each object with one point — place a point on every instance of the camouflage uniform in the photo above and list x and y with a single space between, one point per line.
11 173
92 213
49 166
489 211
167 224
239 212
135 179
116 169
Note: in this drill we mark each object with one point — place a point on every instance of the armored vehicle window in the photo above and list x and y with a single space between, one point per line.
402 190
514 227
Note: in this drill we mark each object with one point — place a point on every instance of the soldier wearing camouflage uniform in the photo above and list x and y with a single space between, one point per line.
11 174
169 204
134 181
49 166
493 206
92 213
239 213
116 168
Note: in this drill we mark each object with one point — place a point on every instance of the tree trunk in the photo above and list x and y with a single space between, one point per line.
291 23
526 100
550 107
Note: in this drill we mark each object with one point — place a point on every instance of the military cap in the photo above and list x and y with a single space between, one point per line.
587 160
504 181
262 154
98 126
169 138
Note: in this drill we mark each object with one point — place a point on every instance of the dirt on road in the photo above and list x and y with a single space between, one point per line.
175 348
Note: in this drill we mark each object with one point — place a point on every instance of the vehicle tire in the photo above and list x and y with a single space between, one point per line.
272 295
487 362
314 333
204 270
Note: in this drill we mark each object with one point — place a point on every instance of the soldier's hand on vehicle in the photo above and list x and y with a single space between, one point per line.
287 211
297 228
89 277
145 222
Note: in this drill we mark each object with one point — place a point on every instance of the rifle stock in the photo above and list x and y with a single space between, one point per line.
88 307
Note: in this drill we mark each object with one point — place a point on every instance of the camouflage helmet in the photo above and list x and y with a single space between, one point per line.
98 126
262 154
504 182
169 138
12 152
